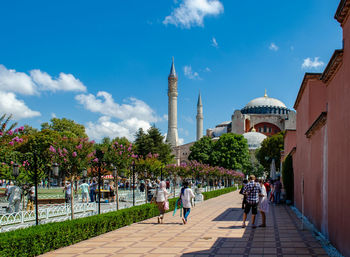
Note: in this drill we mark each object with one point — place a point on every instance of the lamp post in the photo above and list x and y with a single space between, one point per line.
115 175
133 184
99 155
35 157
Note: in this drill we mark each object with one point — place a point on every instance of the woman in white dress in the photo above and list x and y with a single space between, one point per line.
161 197
263 203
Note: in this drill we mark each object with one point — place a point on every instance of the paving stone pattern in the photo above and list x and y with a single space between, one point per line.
214 229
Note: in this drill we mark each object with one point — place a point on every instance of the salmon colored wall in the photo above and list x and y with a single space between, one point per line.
290 139
324 158
318 95
338 95
301 158
314 180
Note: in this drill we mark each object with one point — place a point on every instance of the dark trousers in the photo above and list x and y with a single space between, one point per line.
92 195
186 212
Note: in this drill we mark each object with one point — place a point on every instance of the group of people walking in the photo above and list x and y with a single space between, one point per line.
257 195
161 195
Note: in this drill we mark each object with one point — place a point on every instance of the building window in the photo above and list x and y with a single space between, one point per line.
265 130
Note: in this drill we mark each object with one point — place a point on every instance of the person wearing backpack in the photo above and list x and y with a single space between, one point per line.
161 199
253 191
244 200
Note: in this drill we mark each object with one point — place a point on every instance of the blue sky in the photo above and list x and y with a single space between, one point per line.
105 63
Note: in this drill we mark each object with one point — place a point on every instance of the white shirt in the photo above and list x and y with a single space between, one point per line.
187 197
160 195
15 193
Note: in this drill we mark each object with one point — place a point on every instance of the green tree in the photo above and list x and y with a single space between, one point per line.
231 152
202 150
152 142
66 127
29 130
270 149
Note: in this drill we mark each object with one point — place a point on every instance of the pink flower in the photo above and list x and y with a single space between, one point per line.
95 160
65 150
74 154
52 149
10 132
11 143
79 146
11 162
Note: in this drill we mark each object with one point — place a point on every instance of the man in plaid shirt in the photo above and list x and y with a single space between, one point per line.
252 190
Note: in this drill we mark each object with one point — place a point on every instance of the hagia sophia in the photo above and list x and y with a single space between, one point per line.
260 118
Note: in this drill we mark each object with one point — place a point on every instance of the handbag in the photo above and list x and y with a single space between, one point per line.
166 205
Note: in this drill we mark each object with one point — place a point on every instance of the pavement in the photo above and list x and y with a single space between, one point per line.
214 229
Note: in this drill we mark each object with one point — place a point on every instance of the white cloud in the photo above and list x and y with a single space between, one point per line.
132 115
312 64
189 73
11 105
192 12
207 69
273 47
105 127
16 82
181 141
36 81
214 42
104 103
64 82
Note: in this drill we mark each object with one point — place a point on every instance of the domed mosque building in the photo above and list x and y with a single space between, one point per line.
260 118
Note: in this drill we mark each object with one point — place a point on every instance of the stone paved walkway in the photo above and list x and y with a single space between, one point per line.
214 229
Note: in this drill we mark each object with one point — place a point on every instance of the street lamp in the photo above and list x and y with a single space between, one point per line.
84 173
15 170
55 169
35 157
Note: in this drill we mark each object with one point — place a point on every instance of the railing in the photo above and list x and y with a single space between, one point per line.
46 215
60 212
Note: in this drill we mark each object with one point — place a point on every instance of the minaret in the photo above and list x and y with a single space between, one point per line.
199 118
172 137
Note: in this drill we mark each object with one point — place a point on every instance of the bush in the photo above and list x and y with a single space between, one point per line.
37 240
288 177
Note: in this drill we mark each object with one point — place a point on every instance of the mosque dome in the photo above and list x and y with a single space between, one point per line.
254 139
265 105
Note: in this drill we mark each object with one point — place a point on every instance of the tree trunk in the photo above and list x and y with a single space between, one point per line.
146 190
72 198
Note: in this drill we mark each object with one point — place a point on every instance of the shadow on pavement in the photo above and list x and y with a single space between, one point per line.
230 215
225 246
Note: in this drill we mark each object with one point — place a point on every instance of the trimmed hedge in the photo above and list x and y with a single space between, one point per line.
37 240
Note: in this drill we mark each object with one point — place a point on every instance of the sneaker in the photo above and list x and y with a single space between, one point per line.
253 226
243 226
262 226
184 221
